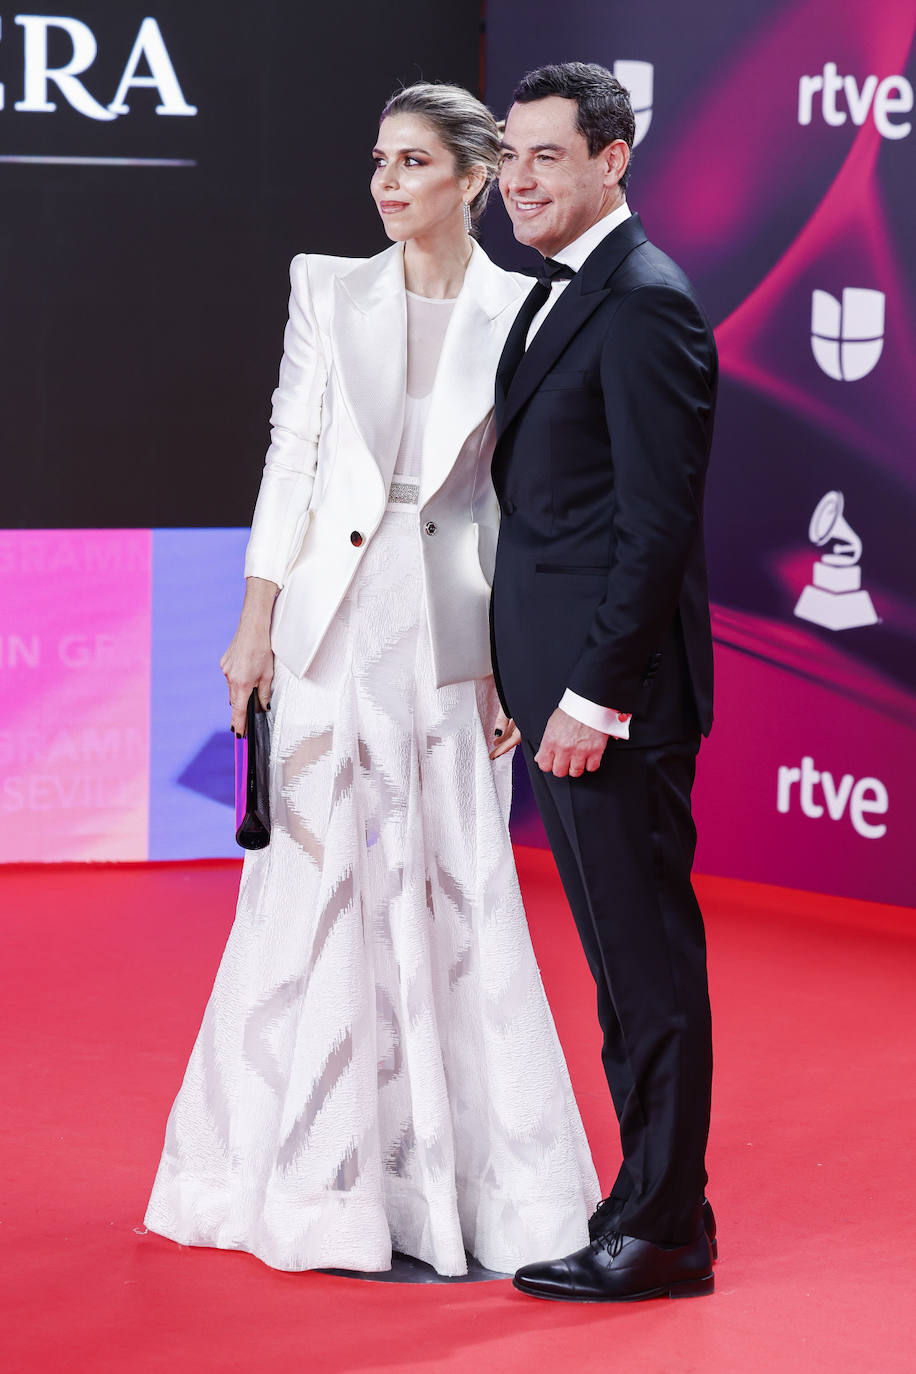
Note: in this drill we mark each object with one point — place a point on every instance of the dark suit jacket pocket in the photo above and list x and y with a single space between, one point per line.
563 381
570 569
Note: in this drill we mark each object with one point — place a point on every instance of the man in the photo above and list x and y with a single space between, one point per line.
602 647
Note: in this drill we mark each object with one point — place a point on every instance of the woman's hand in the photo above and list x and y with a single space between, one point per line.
249 660
506 735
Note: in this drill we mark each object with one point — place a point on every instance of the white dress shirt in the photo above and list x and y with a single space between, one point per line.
603 718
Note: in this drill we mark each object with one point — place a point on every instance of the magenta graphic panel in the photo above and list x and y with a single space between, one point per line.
806 780
773 161
74 694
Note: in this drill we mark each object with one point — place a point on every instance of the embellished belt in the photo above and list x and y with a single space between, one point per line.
404 493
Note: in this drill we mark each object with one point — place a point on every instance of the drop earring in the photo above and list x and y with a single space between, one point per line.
467 217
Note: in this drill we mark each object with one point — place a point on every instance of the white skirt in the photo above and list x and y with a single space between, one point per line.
377 1067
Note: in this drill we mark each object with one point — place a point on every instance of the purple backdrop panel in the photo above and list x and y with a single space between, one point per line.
197 594
773 162
74 694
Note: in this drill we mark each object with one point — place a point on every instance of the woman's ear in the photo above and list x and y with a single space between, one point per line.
476 180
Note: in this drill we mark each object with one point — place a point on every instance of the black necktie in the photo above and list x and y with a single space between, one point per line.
548 272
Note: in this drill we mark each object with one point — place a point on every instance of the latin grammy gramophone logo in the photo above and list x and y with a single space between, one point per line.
638 78
835 598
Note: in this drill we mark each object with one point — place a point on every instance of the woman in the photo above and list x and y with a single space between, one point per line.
377 1066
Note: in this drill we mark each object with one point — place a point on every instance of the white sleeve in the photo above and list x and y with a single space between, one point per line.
281 514
616 723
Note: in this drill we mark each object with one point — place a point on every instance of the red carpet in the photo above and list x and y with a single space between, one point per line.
103 982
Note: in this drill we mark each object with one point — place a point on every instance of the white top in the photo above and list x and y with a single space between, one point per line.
603 718
427 322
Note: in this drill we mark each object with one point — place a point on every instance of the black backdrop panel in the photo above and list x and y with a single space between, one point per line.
143 305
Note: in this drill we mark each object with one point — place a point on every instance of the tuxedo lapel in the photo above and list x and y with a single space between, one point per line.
565 320
369 346
590 287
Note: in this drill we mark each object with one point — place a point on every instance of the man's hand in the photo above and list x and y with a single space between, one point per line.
569 747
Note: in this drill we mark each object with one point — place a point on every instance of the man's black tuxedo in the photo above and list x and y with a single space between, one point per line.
604 428
600 465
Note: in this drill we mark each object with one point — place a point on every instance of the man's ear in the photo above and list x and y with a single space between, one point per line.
616 157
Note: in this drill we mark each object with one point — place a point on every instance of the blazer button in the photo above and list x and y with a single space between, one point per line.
356 539
509 507
430 527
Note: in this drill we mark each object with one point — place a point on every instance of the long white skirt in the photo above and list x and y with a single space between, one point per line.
377 1067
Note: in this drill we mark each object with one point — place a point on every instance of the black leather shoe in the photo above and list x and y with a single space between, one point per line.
605 1216
616 1268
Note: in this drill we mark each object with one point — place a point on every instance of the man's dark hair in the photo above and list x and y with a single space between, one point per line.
604 112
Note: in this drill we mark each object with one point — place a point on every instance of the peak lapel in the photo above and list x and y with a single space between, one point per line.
589 288
369 339
565 320
463 390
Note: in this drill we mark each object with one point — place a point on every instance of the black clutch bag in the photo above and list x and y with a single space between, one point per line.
252 761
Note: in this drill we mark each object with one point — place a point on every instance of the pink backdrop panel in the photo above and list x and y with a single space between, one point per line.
808 777
74 694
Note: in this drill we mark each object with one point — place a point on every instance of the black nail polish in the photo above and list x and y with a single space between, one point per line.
498 733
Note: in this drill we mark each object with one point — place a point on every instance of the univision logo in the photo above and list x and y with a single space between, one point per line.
847 336
638 78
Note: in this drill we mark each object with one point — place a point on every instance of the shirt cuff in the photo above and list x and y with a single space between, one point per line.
616 723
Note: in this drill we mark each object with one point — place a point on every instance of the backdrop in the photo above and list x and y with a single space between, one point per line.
774 162
146 246
158 170
145 303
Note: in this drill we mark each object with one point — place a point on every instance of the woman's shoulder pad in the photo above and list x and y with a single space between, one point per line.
322 265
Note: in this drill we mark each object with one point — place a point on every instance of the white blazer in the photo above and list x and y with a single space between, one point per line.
336 429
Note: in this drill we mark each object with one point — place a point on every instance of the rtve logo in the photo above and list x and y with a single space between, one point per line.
39 75
867 797
639 79
847 336
893 95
